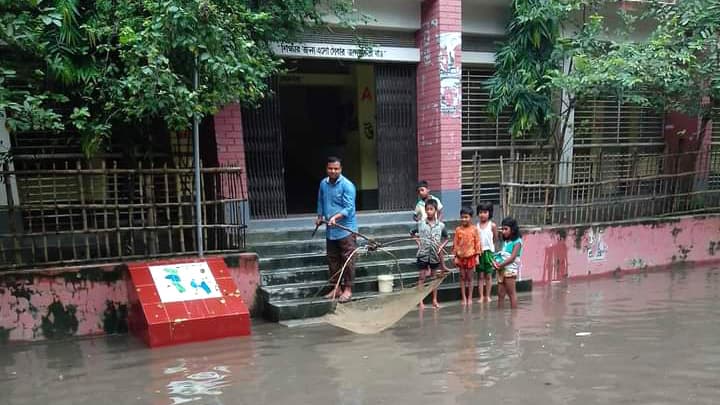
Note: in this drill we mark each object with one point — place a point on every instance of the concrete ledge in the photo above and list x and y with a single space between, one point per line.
56 303
636 221
306 221
559 253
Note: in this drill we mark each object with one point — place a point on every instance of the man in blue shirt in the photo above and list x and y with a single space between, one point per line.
336 205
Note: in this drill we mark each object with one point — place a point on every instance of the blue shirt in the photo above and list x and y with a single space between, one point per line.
337 198
509 246
512 269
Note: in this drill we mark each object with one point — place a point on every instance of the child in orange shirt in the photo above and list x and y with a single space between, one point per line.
466 248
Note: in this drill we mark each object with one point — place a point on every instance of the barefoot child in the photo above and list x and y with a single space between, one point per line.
488 235
466 247
431 237
423 193
507 261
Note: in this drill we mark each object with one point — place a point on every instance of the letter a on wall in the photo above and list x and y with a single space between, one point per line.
366 95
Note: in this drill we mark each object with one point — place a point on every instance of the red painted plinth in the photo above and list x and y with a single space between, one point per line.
161 323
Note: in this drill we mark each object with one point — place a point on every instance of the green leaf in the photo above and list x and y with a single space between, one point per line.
129 63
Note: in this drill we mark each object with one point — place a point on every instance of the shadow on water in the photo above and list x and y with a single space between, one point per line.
646 338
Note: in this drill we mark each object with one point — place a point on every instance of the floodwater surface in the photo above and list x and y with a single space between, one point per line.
645 338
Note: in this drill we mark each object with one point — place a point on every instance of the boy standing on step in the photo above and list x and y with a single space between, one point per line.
336 205
431 237
423 193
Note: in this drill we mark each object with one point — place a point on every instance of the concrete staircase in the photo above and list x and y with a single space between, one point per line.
294 272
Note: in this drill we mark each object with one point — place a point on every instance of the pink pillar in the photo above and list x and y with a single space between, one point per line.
702 165
439 100
229 141
684 134
230 148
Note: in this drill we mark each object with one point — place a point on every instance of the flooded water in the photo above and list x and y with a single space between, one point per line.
646 339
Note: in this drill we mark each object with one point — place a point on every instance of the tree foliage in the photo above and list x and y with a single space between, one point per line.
90 66
520 82
577 48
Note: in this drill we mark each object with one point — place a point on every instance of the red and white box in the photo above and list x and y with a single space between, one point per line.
184 300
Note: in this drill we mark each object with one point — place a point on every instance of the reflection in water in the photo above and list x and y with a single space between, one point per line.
196 386
645 338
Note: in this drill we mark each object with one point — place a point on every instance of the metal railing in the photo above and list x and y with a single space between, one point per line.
607 189
94 213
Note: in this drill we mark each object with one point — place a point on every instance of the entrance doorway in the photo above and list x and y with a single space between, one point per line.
319 116
360 112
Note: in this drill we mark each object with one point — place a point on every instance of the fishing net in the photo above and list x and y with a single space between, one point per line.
374 314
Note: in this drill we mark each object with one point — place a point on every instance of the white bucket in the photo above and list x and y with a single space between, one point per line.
385 283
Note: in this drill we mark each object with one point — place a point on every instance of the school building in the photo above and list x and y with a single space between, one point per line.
413 107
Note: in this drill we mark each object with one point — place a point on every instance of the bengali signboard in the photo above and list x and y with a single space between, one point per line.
348 52
184 282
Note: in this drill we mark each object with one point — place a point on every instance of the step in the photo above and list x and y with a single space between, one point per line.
305 233
315 306
316 245
297 260
317 273
319 287
301 220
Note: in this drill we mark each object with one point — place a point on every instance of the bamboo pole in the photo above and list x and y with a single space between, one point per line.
105 209
548 179
11 213
94 217
152 209
196 164
167 208
178 196
503 190
204 222
141 193
57 214
29 218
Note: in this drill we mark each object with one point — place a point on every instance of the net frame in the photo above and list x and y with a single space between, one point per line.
370 315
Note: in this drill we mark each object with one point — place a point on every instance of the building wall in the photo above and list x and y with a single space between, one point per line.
366 104
52 304
229 138
438 25
609 11
230 148
439 127
61 303
58 303
480 17
485 17
5 220
559 253
5 148
395 15
438 100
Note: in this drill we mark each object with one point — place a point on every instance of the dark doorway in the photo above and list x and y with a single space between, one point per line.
363 113
316 121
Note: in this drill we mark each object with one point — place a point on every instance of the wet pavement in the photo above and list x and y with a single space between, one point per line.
645 338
